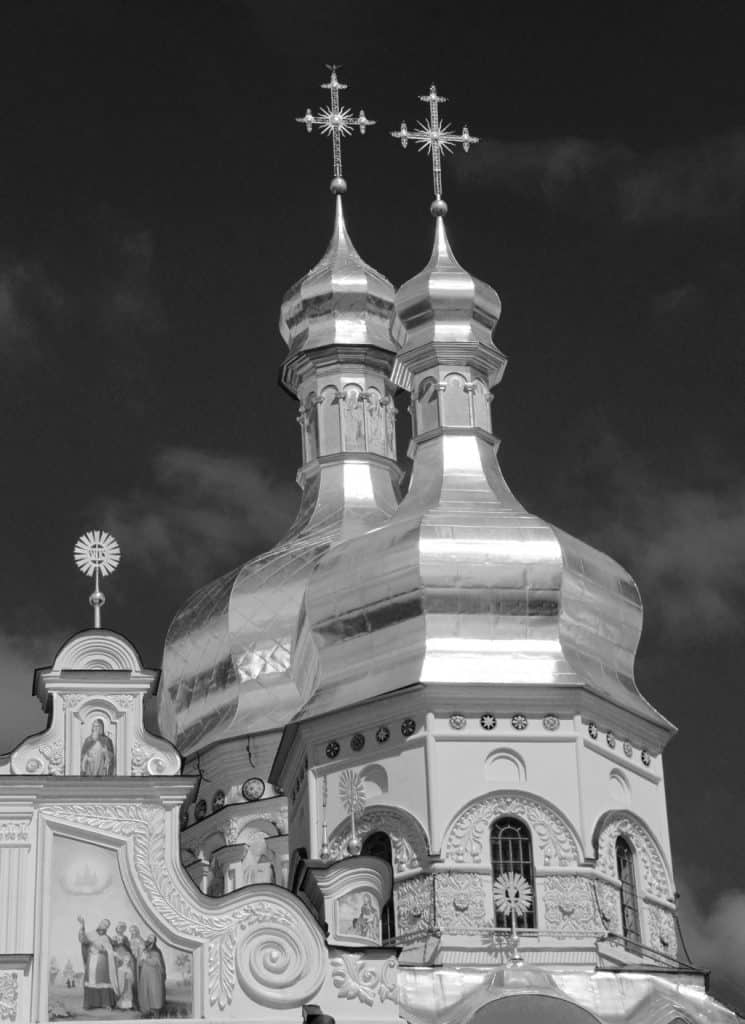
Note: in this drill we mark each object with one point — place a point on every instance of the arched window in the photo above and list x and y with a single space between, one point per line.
629 904
511 850
378 844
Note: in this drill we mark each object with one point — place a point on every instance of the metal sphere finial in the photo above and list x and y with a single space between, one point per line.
338 186
97 554
438 208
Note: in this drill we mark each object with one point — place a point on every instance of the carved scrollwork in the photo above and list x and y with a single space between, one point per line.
610 907
662 930
172 901
54 755
570 904
413 899
8 995
461 907
467 837
408 841
14 833
277 968
655 877
356 977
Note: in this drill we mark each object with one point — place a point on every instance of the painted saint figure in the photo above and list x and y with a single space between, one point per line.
126 969
367 922
151 979
97 753
100 982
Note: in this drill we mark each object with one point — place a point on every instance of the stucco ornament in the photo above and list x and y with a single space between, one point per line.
569 904
279 955
461 906
468 836
14 833
356 977
408 842
662 931
413 902
655 877
8 995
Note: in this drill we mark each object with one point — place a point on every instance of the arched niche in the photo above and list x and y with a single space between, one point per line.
409 844
456 402
505 767
532 1008
655 875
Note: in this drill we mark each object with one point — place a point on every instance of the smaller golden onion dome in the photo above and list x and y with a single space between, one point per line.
340 302
445 317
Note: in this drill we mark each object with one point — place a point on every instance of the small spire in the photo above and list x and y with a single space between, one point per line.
436 138
335 121
97 554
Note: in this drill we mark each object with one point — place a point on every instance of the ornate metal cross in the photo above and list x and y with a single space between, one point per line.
335 121
435 137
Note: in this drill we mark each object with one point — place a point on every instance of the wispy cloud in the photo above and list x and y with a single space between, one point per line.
702 181
19 656
200 512
715 939
28 300
684 540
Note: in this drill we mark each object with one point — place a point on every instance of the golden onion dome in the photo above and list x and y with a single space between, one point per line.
229 657
463 590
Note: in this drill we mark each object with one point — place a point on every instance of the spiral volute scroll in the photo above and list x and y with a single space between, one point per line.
279 966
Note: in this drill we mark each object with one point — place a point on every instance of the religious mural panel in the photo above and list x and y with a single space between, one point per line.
104 960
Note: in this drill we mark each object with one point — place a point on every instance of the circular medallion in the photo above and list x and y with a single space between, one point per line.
646 758
218 801
488 721
457 721
253 789
627 748
610 739
408 727
332 749
383 734
519 722
593 730
550 722
357 742
200 811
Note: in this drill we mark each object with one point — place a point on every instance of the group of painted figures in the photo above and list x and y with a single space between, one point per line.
122 972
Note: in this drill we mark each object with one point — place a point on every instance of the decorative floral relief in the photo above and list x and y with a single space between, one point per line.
139 757
408 845
654 875
72 700
460 903
413 903
14 832
468 836
54 754
355 977
519 722
569 904
550 722
145 828
662 931
8 995
457 721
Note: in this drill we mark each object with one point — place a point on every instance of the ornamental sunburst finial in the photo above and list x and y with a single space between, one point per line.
436 138
512 892
97 554
336 121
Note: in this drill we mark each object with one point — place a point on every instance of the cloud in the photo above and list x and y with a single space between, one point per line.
702 181
714 936
200 513
677 301
19 657
684 542
28 300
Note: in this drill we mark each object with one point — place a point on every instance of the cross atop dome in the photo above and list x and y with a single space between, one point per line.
436 138
335 121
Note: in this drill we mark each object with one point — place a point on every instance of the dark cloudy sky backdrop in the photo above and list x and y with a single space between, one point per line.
156 199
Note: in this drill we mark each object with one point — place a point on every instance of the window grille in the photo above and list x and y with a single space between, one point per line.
378 844
511 850
629 904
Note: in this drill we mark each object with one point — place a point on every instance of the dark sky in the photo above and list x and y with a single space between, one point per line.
156 200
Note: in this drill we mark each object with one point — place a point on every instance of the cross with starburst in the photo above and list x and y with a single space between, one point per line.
335 121
435 137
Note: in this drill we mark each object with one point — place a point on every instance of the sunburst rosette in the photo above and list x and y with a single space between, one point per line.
512 891
98 551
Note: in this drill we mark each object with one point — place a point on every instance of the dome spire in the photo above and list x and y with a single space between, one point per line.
436 138
335 121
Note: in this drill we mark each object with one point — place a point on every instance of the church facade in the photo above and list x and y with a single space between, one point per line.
401 769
